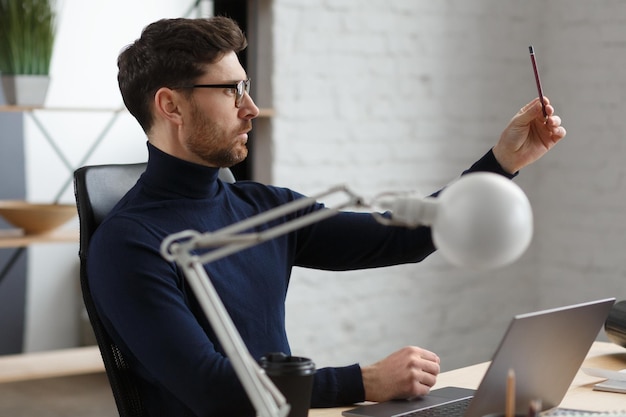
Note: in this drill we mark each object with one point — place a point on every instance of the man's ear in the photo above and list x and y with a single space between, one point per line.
166 104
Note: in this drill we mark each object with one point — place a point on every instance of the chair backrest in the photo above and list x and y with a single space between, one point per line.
97 189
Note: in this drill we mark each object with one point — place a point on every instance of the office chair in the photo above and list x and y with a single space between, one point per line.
97 189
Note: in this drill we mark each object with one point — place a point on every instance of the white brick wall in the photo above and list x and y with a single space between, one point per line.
406 94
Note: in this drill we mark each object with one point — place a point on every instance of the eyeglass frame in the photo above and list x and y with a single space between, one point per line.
241 88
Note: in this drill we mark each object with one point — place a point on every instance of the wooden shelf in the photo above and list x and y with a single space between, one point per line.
264 112
22 109
14 238
55 363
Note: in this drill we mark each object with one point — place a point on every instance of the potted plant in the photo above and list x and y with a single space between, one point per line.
27 33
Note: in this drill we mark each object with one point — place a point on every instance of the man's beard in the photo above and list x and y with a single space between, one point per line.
214 145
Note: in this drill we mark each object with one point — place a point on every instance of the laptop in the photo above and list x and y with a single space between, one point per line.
545 349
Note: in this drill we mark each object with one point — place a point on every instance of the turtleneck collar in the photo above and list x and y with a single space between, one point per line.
175 177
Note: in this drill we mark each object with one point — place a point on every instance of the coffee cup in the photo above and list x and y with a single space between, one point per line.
293 376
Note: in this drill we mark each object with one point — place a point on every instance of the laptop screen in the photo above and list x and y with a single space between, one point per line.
545 349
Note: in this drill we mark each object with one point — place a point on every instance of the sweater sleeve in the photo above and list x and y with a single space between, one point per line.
333 387
489 163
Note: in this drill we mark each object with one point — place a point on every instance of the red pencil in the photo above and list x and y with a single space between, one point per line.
537 80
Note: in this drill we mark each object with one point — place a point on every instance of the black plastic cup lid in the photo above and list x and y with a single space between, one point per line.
279 363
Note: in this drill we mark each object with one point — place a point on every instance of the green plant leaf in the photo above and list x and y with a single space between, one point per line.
27 34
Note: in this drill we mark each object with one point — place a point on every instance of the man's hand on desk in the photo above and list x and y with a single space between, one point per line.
409 372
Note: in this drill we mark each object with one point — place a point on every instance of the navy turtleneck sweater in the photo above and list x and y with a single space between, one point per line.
153 316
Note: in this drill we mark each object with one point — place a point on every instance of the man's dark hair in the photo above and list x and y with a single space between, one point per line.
172 53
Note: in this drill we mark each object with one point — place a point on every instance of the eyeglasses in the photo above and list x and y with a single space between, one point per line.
240 88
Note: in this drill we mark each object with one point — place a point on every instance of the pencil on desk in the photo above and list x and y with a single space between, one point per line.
510 394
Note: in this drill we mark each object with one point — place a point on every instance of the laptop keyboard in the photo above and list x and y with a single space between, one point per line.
453 409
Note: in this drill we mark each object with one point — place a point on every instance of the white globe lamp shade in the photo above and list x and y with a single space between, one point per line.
482 221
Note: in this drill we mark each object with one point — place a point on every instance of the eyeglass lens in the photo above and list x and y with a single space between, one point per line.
243 86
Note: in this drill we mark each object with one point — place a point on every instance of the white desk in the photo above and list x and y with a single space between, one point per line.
580 395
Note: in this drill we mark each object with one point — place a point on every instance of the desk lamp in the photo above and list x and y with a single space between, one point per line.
482 220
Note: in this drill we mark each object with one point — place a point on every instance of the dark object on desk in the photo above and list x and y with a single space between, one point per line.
293 376
615 324
97 189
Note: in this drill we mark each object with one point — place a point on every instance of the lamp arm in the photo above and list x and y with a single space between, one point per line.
351 200
408 210
231 239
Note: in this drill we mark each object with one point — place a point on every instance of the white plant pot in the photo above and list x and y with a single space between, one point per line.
25 90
